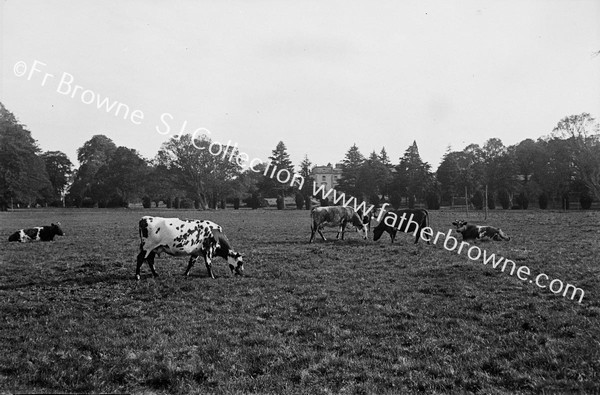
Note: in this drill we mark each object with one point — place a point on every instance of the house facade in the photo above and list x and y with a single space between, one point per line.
327 175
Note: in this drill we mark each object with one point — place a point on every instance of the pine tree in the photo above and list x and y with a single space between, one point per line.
349 181
305 171
280 160
413 175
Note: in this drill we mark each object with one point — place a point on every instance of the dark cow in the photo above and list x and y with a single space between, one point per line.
478 232
409 220
40 233
337 216
185 237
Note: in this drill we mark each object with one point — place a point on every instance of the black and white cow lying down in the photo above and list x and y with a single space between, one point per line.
185 237
478 232
40 233
337 216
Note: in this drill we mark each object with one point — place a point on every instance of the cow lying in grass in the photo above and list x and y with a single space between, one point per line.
340 217
479 232
40 233
185 237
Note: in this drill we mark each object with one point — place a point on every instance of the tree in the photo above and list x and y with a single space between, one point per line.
280 162
351 165
385 177
582 135
122 178
204 177
160 184
374 178
23 176
94 154
498 164
413 176
305 171
60 169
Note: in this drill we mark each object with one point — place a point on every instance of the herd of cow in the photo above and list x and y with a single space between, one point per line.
195 238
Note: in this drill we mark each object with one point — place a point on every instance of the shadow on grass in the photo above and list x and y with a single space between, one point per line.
105 278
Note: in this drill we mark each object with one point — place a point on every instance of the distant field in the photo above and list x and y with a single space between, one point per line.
348 316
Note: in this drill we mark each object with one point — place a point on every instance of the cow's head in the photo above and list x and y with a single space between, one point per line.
362 227
460 225
57 229
366 219
236 262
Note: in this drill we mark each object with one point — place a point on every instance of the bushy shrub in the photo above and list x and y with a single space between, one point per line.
116 201
543 201
522 201
433 202
491 202
186 203
236 203
374 199
87 202
56 203
396 200
585 200
504 198
280 203
477 200
308 202
253 201
146 202
299 201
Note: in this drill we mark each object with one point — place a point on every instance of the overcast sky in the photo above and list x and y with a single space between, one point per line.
318 75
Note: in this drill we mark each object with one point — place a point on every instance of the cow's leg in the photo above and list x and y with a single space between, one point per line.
150 260
393 235
207 261
417 237
140 261
321 233
190 265
313 230
342 230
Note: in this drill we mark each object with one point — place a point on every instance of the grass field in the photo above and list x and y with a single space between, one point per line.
348 316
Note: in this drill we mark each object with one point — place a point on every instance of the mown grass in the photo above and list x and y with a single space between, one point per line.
338 316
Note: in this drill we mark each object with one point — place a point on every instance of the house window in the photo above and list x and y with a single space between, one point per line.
323 178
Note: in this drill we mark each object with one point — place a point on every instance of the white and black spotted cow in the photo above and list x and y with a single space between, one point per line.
182 238
337 216
479 232
40 233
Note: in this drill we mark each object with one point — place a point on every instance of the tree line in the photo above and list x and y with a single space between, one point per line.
183 174
551 171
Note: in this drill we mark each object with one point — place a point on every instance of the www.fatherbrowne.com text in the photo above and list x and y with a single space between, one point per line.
450 243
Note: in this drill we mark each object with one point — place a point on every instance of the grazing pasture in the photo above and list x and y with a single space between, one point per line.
349 316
